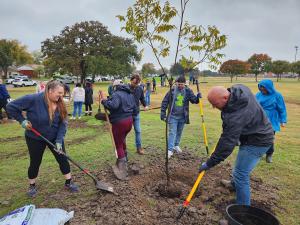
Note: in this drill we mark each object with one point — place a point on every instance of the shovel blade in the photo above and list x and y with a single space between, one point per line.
104 186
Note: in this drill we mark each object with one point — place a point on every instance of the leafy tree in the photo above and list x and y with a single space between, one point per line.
177 69
259 63
151 21
76 45
148 68
296 68
13 53
161 71
234 68
39 70
37 57
279 67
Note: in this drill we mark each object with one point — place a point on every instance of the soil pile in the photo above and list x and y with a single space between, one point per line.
139 201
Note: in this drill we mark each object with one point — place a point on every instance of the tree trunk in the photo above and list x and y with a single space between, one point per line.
277 77
231 77
256 78
5 70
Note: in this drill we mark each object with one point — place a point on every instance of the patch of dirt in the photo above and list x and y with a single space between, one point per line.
79 140
12 139
77 124
138 200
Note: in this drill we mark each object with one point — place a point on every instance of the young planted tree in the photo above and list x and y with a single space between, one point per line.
234 68
152 22
13 53
75 45
259 63
279 67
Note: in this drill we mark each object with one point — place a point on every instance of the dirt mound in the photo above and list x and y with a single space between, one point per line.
139 201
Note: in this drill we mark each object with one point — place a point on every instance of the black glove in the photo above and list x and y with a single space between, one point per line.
163 118
203 167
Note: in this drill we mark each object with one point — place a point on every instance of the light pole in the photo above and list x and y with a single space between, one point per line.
296 48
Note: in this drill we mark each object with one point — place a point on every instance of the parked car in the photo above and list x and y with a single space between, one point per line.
98 79
22 82
89 79
65 79
12 78
9 81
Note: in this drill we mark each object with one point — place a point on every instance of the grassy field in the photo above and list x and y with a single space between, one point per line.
93 149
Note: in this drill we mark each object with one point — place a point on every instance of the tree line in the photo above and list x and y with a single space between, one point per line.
257 64
85 48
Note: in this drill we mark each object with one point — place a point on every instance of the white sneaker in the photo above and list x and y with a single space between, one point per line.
170 153
79 117
72 118
177 149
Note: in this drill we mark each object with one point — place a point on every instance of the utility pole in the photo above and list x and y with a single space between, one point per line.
296 48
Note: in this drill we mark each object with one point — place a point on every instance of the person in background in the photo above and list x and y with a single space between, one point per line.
67 93
148 92
46 112
122 108
41 87
273 104
244 123
153 84
78 95
4 97
88 100
179 113
138 93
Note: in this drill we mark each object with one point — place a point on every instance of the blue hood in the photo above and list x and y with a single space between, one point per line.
268 85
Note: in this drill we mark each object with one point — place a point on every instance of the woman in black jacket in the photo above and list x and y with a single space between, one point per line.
88 101
122 108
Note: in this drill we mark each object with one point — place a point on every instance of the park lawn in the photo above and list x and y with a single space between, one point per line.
92 147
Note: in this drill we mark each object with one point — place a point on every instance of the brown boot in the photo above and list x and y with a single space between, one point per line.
140 151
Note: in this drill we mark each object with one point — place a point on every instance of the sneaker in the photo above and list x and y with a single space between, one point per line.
177 149
32 191
72 118
170 153
79 117
269 159
71 187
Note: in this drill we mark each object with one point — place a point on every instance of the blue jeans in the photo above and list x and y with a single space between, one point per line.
147 98
175 131
137 130
247 158
77 107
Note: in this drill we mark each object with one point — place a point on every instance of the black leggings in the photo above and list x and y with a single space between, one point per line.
88 107
36 150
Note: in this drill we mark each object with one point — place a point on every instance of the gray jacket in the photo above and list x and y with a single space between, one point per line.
244 121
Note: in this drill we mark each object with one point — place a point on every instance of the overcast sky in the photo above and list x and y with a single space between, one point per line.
252 26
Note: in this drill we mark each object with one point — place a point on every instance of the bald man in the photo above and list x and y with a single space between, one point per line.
244 122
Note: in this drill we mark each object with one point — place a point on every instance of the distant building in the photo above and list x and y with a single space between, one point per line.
26 70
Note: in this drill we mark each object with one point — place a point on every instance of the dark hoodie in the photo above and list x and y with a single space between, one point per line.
244 121
121 104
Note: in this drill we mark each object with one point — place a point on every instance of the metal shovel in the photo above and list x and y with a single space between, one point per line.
99 184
